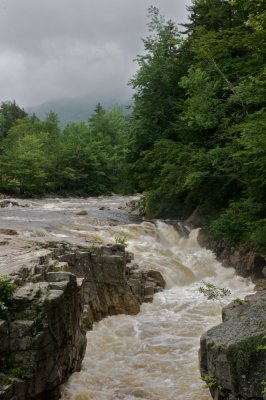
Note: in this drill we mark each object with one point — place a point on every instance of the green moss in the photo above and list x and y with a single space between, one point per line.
238 301
19 373
30 315
262 345
6 296
263 383
211 382
121 240
8 375
4 380
244 351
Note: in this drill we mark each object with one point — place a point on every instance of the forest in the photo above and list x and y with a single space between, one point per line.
195 136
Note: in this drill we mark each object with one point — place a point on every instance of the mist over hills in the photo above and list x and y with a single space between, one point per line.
76 109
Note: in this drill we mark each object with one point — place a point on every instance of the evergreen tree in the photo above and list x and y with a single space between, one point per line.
157 93
210 150
9 113
23 164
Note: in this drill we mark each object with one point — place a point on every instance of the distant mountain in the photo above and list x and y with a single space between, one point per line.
74 109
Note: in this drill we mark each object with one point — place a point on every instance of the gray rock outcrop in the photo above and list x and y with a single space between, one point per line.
233 354
11 203
112 284
43 342
62 290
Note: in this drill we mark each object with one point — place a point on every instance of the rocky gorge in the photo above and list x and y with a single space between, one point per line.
65 286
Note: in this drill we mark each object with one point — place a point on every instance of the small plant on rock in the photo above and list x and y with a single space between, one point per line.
19 373
6 293
121 240
4 380
212 292
211 382
238 301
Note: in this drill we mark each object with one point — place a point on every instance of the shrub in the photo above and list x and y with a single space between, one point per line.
6 294
18 373
121 240
211 382
212 292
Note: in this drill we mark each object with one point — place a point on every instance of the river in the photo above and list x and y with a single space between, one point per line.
153 355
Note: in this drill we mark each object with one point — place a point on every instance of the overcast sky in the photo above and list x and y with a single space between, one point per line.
52 49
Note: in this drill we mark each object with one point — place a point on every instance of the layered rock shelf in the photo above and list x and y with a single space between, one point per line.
62 289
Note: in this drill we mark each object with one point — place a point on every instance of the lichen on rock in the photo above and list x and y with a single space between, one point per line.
233 352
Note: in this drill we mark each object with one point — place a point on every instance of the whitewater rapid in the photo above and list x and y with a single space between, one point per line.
153 355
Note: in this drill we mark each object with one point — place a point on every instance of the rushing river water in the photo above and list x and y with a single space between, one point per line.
153 355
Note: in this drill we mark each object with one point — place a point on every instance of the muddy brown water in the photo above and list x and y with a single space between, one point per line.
153 355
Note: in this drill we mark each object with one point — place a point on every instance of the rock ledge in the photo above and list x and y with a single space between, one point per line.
62 290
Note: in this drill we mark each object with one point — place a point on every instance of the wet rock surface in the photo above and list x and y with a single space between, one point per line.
62 289
8 232
233 354
112 284
43 341
246 262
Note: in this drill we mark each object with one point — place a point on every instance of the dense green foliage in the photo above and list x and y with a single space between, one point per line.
195 138
199 118
212 292
6 292
85 158
9 113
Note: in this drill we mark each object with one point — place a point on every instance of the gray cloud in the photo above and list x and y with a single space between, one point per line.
70 48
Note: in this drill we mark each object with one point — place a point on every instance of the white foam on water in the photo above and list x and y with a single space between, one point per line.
154 355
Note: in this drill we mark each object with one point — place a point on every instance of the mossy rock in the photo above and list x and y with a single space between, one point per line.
233 352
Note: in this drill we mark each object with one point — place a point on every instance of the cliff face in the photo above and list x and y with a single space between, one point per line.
246 262
43 341
62 290
233 354
111 283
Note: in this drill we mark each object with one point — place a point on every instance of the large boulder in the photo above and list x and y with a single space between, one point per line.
232 354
